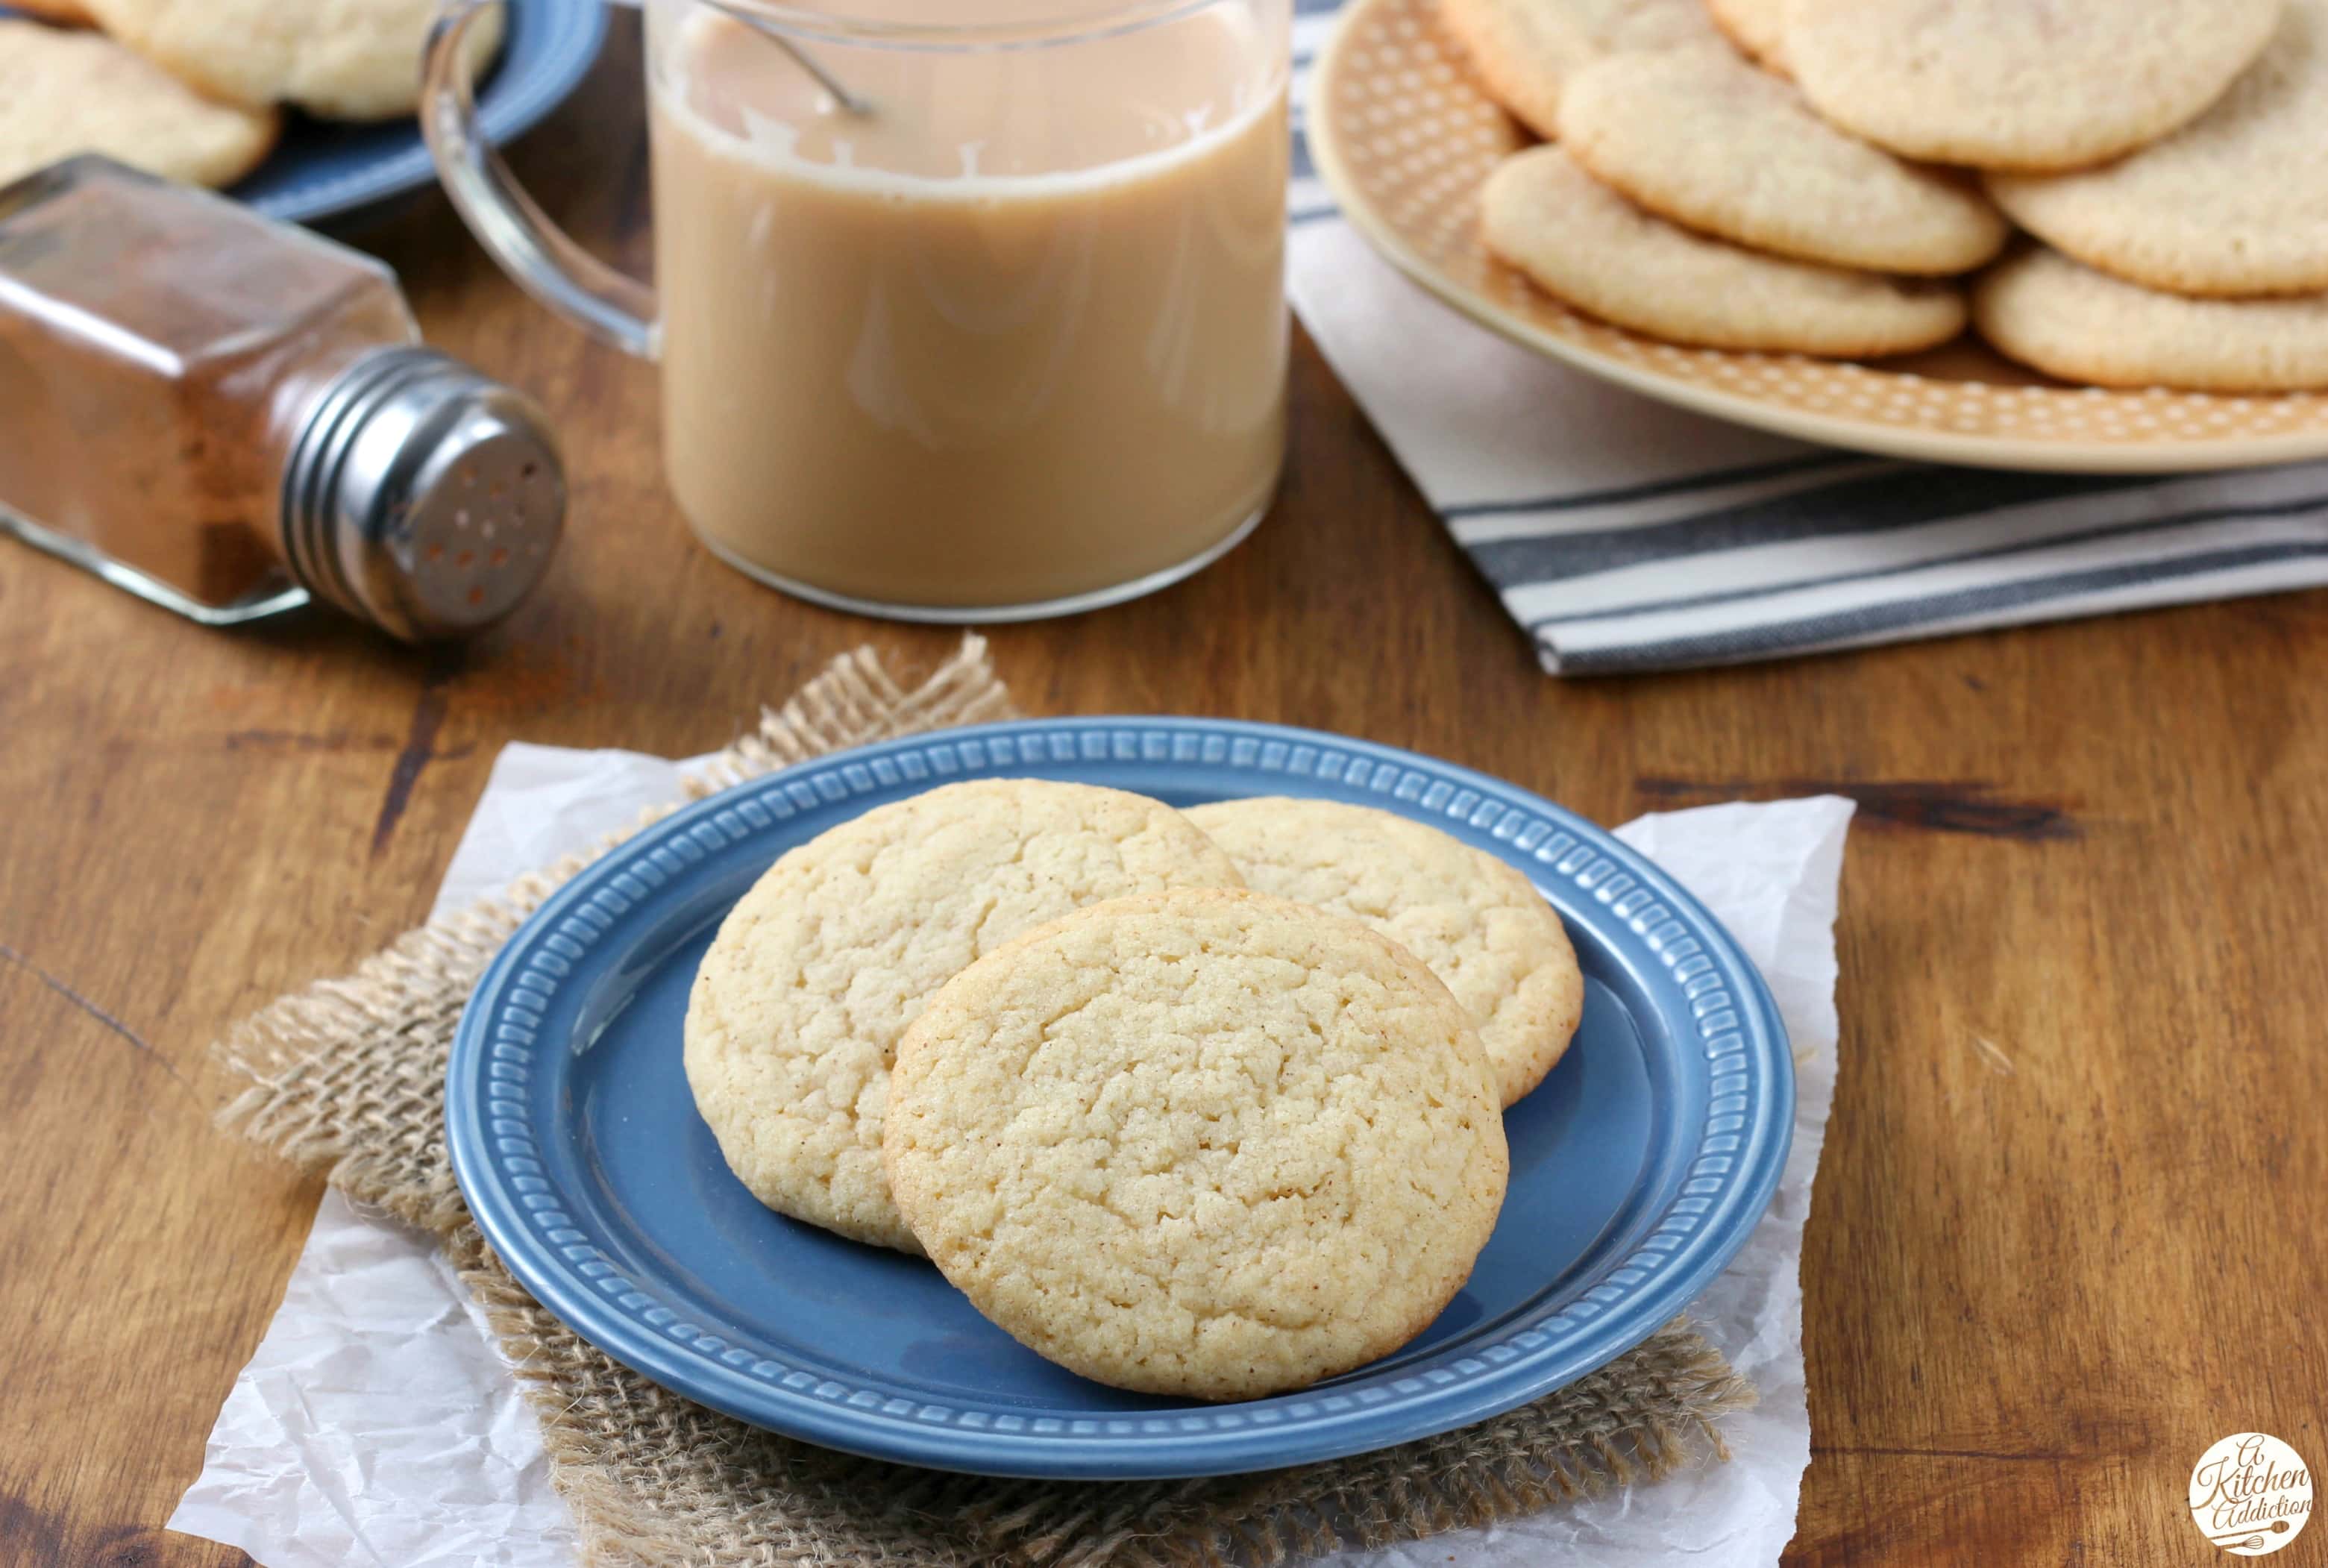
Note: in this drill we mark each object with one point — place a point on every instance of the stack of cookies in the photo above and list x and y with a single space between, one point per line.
1824 176
197 91
1205 1105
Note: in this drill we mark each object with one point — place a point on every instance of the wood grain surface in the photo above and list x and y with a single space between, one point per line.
2071 1225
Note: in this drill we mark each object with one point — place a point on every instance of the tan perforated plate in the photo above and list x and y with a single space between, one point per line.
1405 133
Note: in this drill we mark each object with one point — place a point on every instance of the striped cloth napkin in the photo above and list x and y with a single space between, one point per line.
1624 535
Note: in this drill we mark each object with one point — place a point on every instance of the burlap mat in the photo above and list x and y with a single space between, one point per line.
348 1079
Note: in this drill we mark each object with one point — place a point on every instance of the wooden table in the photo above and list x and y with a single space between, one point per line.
2071 1225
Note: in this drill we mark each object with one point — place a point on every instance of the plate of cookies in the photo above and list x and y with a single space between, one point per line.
303 113
1119 1098
2089 237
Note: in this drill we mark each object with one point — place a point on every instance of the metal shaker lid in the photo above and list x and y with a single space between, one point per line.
422 496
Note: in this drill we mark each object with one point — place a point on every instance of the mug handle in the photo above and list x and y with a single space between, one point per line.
612 306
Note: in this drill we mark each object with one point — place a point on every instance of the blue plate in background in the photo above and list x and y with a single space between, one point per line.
1637 1168
322 170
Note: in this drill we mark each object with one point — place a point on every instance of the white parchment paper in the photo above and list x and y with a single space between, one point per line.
377 1423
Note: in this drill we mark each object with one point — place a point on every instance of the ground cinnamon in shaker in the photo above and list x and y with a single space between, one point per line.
215 408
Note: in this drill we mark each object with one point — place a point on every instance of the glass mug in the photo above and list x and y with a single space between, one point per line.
966 309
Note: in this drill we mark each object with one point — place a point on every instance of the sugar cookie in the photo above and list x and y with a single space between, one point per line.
797 1008
353 59
1527 49
2009 84
1478 921
2236 202
2066 319
62 93
1581 241
1211 1144
1703 137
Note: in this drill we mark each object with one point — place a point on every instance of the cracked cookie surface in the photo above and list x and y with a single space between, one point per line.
1208 1143
1702 137
798 1006
1477 923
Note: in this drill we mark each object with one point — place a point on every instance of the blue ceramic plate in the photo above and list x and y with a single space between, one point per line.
322 170
1637 1168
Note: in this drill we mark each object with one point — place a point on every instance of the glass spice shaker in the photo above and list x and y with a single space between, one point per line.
228 416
